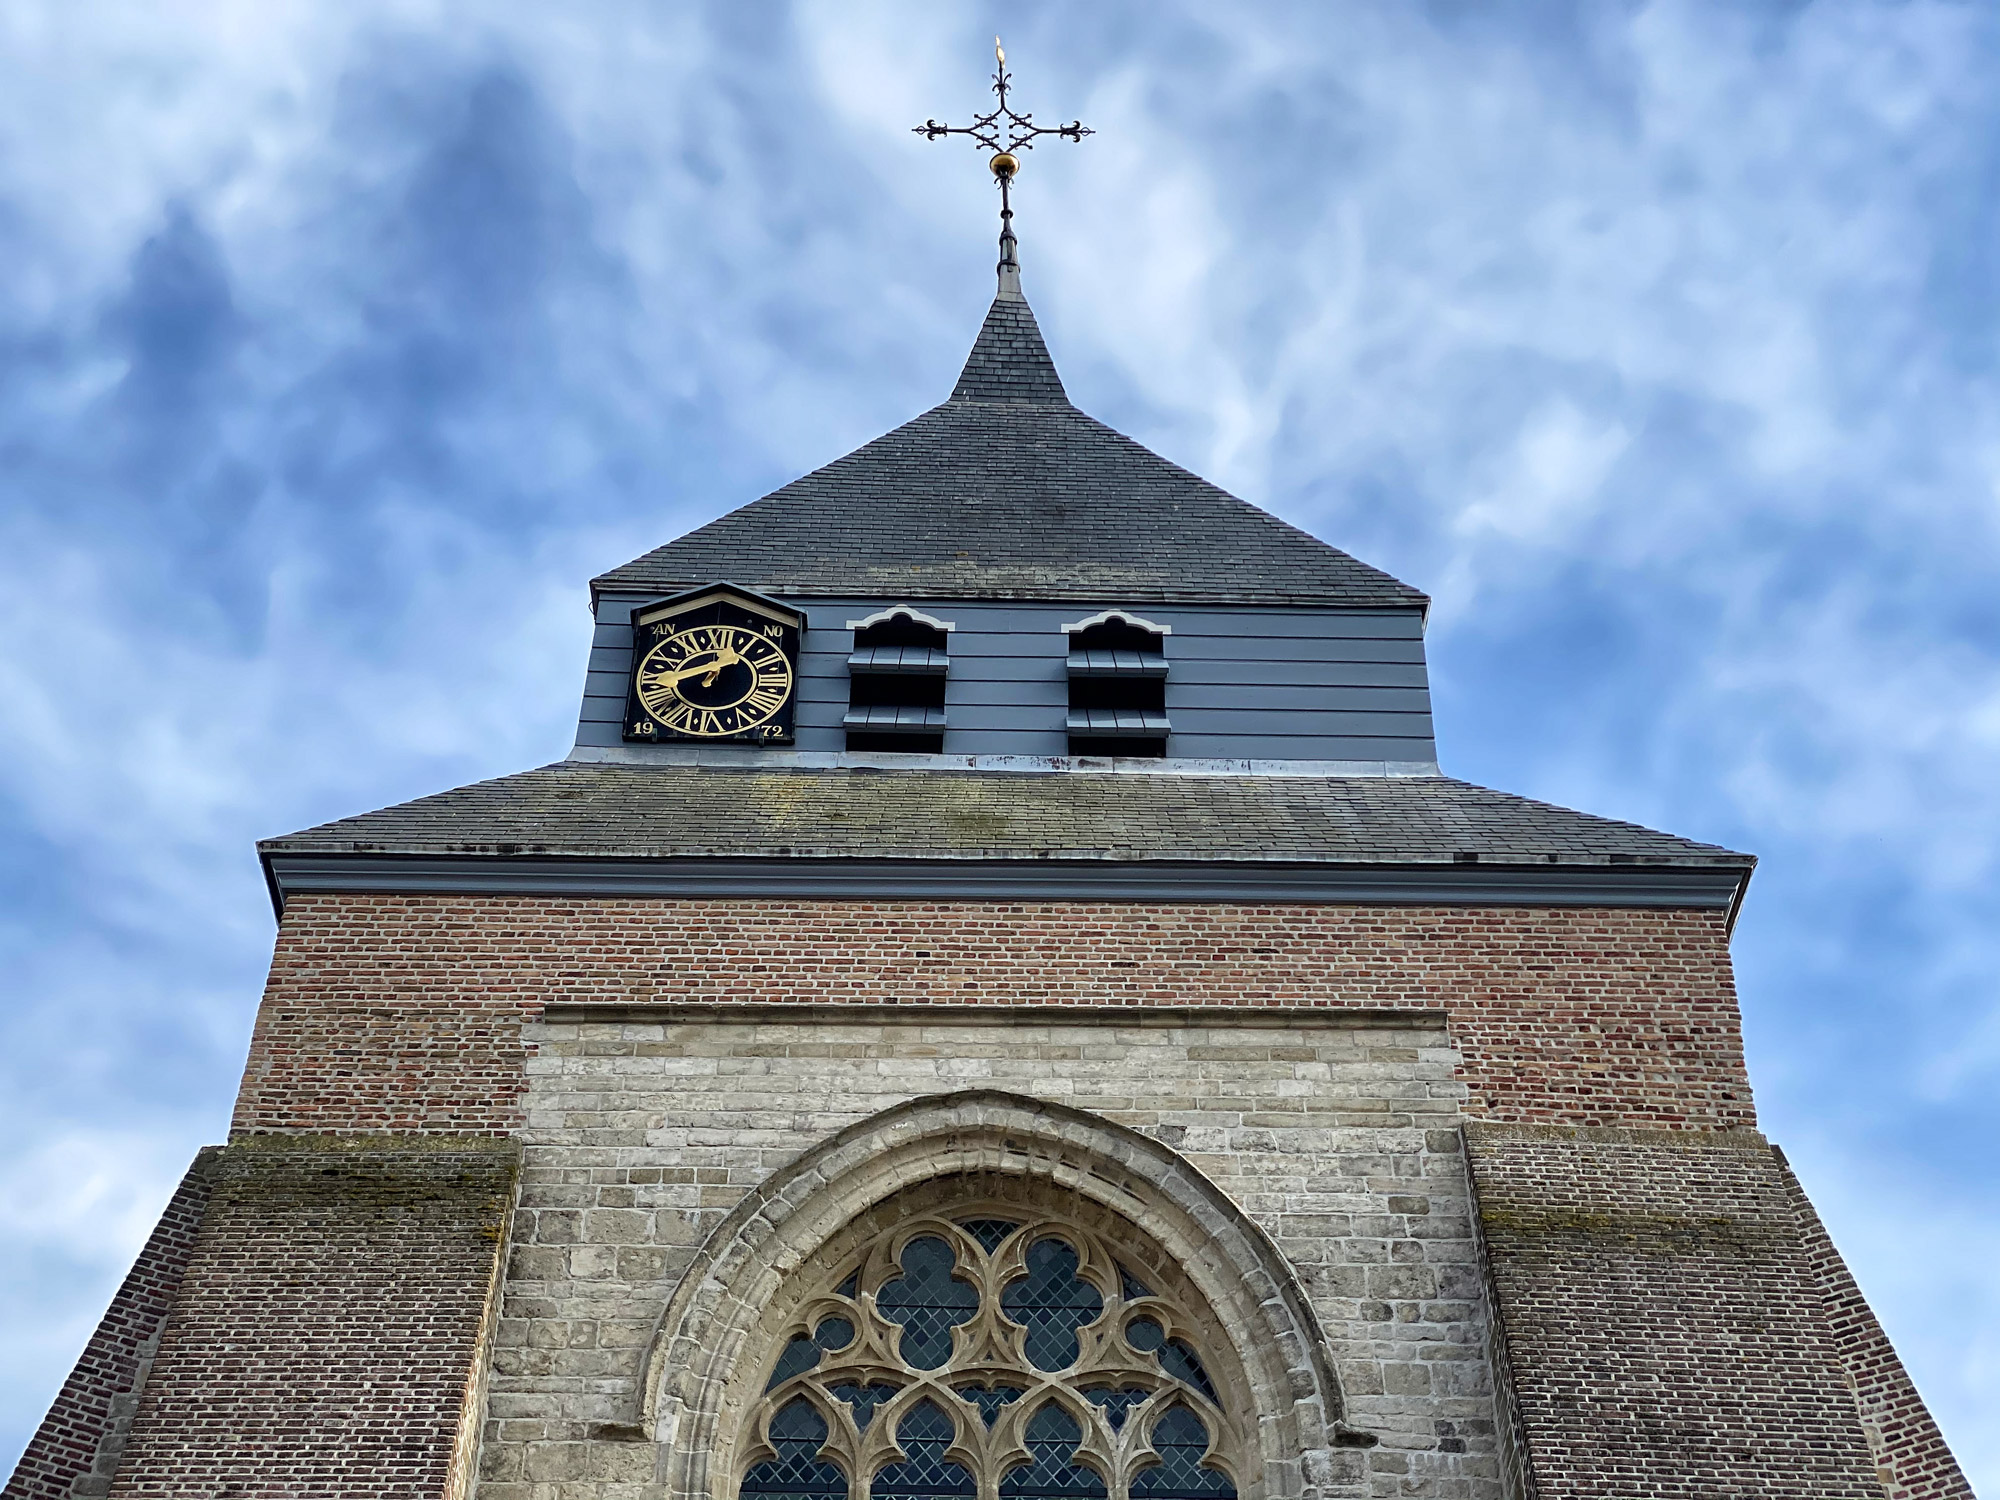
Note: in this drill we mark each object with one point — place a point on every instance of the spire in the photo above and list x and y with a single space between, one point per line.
1006 134
1009 361
1005 165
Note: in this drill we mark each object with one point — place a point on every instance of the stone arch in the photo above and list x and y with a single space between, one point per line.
694 1372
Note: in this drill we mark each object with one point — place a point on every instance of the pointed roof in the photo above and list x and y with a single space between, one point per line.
1007 491
1009 361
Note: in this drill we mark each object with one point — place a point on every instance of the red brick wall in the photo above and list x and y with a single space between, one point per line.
1664 1332
1910 1452
331 1325
390 1012
84 1430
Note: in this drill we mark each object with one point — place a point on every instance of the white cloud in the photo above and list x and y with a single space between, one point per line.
1658 336
1547 484
92 1195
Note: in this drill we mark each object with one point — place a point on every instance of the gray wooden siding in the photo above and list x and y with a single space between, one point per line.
1299 684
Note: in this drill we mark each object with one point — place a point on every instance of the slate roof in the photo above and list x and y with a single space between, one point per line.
1007 491
658 811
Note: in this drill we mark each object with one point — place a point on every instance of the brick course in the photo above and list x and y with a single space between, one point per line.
1664 1330
1910 1452
76 1449
401 1012
330 1329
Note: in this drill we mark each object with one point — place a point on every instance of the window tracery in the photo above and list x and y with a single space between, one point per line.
993 1352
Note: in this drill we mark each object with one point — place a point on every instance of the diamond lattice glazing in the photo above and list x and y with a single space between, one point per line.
993 1354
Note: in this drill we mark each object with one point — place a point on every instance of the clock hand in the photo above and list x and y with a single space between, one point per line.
724 658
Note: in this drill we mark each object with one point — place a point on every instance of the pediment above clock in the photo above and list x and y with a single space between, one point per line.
727 593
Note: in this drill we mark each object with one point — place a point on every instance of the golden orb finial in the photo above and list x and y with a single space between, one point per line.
1005 165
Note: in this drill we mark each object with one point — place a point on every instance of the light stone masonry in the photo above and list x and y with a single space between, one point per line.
1337 1136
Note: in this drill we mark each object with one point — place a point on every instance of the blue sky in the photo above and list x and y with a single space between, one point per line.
341 344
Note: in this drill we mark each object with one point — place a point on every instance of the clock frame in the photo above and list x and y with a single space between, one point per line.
719 665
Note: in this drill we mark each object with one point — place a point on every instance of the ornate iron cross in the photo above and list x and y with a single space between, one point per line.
1005 133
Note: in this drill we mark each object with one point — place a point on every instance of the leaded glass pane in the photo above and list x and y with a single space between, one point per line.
1181 1362
1145 1335
991 1233
1181 1440
834 1333
797 1473
924 1434
1117 1404
1002 1381
1177 1358
928 1301
802 1353
863 1399
1053 1472
1052 1302
989 1401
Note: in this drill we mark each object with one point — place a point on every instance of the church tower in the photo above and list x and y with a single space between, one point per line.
1000 1003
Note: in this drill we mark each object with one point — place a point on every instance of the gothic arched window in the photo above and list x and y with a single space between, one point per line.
986 1351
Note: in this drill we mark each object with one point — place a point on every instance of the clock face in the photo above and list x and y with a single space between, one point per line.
712 681
711 668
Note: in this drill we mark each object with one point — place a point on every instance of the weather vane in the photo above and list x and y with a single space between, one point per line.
1004 133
